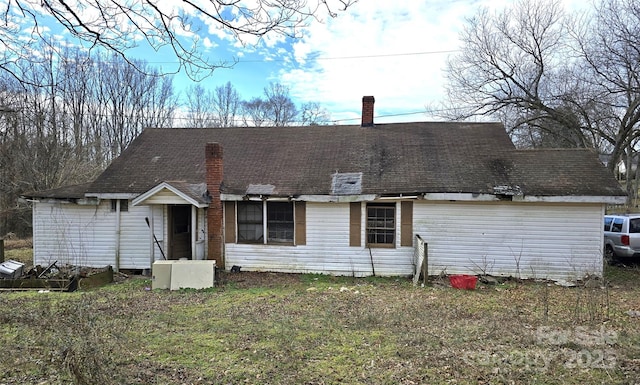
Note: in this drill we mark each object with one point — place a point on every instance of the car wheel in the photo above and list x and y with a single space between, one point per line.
609 256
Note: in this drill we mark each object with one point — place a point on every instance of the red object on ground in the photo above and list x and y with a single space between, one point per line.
463 281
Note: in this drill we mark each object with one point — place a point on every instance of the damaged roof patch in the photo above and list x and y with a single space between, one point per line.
261 189
346 183
510 190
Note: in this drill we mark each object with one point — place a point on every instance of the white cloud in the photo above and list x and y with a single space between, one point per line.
208 43
401 48
391 50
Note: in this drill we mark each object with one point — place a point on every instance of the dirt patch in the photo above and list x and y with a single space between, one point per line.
252 279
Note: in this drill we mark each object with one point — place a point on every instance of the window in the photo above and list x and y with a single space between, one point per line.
250 222
124 205
381 224
278 220
617 225
607 223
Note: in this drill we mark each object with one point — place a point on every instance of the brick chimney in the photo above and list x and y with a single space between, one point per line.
367 111
214 169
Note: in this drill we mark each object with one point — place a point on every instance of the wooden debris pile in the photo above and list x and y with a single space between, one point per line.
53 277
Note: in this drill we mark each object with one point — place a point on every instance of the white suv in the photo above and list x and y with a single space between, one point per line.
621 236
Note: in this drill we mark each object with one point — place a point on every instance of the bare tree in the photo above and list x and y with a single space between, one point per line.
555 79
275 109
282 110
12 141
255 112
120 25
611 48
132 100
199 106
313 114
226 105
66 122
517 62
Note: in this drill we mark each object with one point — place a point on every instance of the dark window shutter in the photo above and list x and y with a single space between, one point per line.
355 223
300 210
229 222
406 223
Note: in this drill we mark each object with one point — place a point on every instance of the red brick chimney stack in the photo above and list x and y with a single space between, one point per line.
214 169
367 111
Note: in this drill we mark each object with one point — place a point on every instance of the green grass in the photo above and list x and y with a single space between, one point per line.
622 275
317 329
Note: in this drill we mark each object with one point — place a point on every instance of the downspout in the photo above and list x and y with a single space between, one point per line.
152 254
117 241
194 231
34 235
265 235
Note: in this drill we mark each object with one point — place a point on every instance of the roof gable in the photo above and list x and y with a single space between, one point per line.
174 193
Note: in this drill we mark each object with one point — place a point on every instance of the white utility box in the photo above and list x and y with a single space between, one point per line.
161 275
183 274
190 274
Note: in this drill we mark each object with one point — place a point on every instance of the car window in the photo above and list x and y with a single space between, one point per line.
617 225
634 225
607 223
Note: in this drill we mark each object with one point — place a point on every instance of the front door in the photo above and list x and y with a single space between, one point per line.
180 231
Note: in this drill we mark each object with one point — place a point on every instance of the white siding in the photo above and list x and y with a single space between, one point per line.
326 251
165 197
539 240
529 240
134 238
86 235
73 234
548 241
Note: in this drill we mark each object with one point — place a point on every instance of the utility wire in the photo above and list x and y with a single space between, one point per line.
379 116
271 60
327 122
355 57
331 121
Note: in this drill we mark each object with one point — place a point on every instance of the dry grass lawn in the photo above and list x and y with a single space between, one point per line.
263 328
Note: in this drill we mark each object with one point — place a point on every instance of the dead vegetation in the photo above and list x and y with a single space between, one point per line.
12 242
266 328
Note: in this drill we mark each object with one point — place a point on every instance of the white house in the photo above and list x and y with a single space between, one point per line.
343 200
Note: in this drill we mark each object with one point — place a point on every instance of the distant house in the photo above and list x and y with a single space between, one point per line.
620 170
342 200
627 180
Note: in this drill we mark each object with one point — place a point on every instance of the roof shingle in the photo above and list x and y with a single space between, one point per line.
401 158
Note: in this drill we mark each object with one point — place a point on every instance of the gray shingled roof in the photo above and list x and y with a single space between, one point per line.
69 192
429 157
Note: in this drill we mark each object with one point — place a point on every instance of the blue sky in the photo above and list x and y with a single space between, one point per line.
393 50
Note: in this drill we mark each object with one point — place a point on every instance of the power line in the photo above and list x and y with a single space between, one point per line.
330 121
356 57
380 116
393 115
324 58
